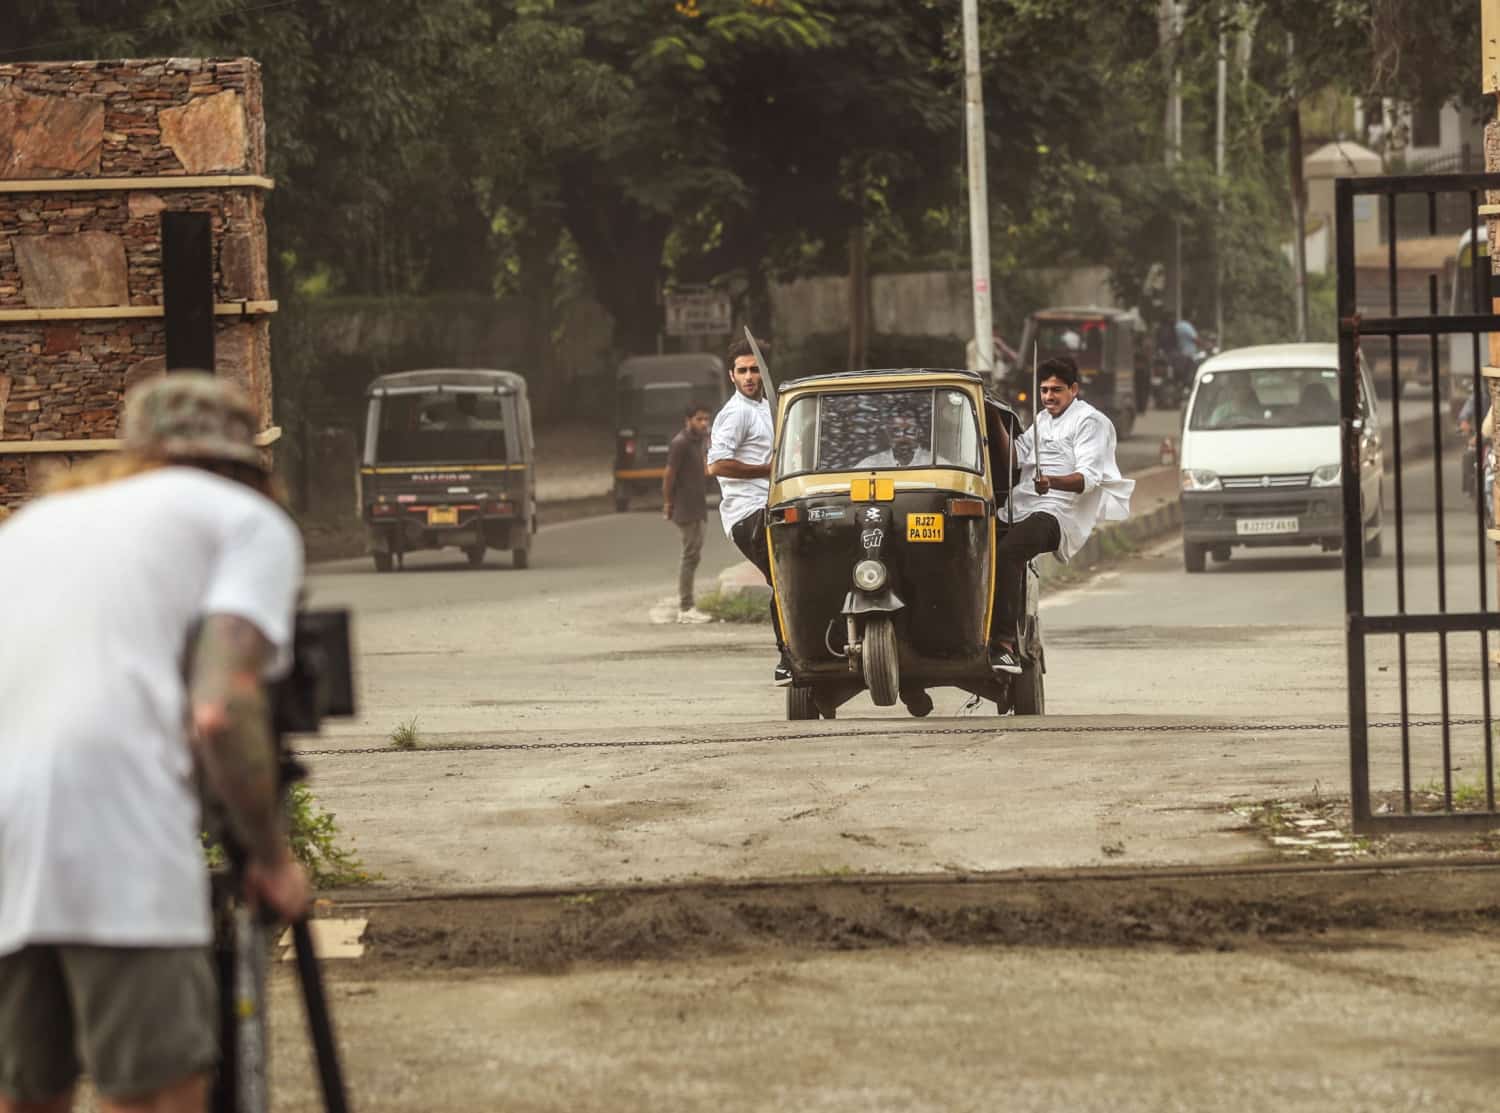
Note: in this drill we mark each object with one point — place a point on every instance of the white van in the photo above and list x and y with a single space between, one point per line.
1260 453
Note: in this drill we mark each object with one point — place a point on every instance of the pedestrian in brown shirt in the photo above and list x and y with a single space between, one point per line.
684 494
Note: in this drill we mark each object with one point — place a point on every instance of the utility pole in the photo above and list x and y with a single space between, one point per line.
1170 22
1299 200
979 201
1220 121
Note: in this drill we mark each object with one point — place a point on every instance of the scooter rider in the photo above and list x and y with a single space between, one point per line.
1069 483
739 455
169 554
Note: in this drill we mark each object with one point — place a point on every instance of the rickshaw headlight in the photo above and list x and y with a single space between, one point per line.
869 575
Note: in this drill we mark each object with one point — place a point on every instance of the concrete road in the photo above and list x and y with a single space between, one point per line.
1148 666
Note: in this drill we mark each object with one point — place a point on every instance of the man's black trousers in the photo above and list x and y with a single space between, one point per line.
1032 536
749 535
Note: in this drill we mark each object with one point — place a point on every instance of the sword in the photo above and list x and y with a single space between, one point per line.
765 373
1036 390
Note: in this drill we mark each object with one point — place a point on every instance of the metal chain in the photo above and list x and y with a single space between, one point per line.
650 743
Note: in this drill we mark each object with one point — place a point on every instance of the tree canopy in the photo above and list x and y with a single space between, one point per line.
621 146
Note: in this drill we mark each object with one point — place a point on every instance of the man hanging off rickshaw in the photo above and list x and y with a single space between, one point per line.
904 512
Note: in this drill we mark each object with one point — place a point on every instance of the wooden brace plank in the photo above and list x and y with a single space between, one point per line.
264 439
126 312
109 185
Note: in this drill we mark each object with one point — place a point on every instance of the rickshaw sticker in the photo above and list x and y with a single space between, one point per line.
825 513
872 514
872 538
924 527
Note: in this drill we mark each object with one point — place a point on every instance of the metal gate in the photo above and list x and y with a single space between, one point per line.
1419 621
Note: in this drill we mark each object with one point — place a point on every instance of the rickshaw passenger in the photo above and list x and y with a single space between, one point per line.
739 456
1069 483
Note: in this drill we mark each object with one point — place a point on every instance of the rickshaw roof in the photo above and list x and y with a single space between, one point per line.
464 379
1076 312
884 377
697 366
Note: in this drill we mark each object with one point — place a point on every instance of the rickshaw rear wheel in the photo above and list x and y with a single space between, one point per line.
881 664
1028 696
800 704
384 562
475 553
520 558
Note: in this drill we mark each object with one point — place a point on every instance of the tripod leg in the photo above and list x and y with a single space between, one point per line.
252 1091
318 1021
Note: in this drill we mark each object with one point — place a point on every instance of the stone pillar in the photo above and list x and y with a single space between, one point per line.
91 154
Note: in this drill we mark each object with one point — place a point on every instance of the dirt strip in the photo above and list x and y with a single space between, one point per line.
1193 910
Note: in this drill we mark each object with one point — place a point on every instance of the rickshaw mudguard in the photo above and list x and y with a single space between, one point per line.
883 601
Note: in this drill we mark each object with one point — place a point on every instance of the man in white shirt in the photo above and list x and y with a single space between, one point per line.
160 594
739 455
1069 483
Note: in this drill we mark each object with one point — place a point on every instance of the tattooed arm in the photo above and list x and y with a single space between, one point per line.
231 735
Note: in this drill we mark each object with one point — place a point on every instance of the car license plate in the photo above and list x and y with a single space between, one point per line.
1255 526
924 527
442 515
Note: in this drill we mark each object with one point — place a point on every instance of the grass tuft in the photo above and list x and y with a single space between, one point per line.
405 736
738 607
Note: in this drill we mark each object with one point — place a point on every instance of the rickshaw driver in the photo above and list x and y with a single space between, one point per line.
739 456
1069 483
906 450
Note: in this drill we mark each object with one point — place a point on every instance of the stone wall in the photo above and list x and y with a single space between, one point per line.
78 240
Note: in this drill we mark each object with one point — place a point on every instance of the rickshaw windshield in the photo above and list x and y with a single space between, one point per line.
665 401
1081 340
441 426
879 430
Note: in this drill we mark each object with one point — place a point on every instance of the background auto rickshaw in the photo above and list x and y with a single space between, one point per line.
1114 367
888 492
448 464
651 394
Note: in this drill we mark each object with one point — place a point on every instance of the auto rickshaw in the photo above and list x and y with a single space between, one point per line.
1114 367
651 394
888 495
448 463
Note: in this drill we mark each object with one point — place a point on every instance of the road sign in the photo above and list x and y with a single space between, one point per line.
698 313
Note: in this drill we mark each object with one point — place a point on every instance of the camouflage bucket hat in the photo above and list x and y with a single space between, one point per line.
191 415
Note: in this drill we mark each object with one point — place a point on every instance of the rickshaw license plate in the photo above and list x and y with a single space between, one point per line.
442 515
1265 525
924 527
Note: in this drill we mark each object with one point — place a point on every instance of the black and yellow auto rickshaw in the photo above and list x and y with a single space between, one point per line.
651 394
1114 366
888 492
448 464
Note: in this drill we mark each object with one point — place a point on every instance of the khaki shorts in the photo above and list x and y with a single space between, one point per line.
138 1019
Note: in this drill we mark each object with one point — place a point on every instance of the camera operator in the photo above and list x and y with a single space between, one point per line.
148 598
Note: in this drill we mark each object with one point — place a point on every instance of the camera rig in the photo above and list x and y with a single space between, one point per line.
319 685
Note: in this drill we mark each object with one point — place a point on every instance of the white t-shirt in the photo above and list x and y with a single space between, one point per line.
1082 441
99 817
743 431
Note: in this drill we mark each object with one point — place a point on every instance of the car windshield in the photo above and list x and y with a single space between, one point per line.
1266 398
1081 340
441 426
877 430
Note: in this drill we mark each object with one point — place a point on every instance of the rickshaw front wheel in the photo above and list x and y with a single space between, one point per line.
881 664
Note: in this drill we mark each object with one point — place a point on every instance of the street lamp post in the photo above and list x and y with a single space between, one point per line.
979 208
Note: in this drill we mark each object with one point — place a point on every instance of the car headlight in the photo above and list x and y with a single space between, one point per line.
1326 476
869 575
1197 479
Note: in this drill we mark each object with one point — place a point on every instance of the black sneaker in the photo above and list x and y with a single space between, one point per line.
1002 660
783 674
